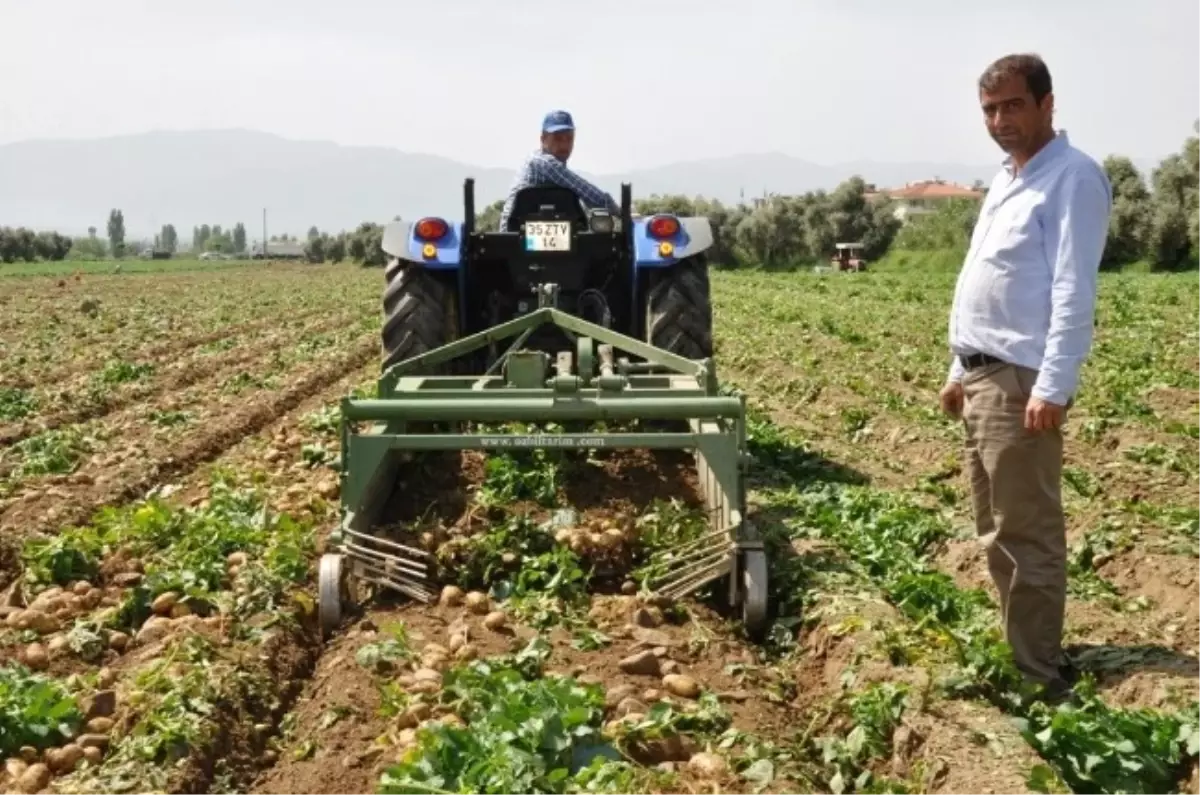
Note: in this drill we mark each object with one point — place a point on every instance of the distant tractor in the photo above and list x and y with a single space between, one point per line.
849 257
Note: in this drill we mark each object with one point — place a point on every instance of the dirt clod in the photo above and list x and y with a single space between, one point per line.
101 705
643 663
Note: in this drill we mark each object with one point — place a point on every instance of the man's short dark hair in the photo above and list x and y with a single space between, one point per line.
1026 65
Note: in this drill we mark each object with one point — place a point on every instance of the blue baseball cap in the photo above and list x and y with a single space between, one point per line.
557 121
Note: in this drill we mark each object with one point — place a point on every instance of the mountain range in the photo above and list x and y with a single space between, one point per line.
225 176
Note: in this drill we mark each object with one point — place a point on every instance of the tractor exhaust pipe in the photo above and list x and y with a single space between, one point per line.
468 206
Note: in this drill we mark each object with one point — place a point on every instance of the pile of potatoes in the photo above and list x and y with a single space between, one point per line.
603 541
52 613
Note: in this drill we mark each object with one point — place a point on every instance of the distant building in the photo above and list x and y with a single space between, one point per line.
920 198
279 249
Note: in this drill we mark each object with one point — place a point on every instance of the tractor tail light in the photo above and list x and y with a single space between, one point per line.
663 226
432 229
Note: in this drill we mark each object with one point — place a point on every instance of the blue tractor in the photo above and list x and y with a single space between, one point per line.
645 278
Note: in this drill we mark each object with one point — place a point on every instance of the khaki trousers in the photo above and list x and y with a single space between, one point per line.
1016 490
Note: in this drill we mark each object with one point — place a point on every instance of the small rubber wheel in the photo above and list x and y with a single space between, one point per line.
754 593
333 589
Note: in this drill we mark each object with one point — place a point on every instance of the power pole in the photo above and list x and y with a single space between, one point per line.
264 252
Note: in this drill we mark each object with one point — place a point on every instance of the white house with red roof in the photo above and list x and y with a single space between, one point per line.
919 198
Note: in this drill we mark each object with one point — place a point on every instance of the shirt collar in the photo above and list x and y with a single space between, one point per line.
1047 152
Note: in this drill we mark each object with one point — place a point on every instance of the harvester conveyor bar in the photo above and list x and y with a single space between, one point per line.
504 441
511 393
500 409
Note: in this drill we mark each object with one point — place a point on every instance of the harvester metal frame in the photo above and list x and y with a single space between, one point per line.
586 384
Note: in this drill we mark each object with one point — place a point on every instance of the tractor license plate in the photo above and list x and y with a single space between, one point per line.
547 235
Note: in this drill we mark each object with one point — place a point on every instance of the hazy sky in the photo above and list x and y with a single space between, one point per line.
825 80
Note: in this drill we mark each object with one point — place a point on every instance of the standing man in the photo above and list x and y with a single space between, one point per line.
548 166
1020 329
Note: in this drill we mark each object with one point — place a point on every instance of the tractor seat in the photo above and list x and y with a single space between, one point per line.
547 201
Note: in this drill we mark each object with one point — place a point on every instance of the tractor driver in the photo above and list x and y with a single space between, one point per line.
548 166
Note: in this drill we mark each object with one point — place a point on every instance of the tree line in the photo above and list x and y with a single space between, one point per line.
1156 221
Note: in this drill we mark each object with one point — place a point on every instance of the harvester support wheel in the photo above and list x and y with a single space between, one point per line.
754 592
679 309
420 311
333 592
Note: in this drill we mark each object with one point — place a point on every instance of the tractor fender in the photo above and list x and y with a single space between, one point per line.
400 241
694 237
395 239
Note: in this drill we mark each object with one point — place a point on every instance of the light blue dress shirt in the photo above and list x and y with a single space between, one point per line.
1026 293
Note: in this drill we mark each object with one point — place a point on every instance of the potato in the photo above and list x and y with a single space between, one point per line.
36 656
64 760
495 620
681 685
35 779
708 765
14 767
452 596
478 602
163 603
457 641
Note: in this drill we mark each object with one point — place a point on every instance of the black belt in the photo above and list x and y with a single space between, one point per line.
978 360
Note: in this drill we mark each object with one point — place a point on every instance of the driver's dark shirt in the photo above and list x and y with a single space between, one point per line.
543 168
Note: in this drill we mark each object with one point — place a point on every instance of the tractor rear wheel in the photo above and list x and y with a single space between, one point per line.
679 309
420 311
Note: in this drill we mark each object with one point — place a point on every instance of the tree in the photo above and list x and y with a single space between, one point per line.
1132 214
239 238
489 219
313 233
314 247
335 249
116 232
167 239
366 244
1176 209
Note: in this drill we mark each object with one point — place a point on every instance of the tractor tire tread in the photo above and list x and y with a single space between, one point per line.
415 316
679 310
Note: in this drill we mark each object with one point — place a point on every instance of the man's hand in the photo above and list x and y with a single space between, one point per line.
1042 416
952 399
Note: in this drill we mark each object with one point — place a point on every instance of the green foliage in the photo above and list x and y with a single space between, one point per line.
116 232
525 735
25 244
786 231
1095 748
16 403
947 228
1091 746
184 550
168 239
34 710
